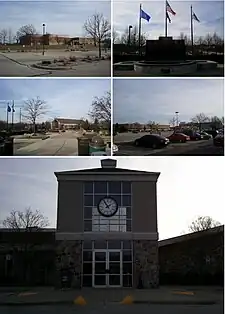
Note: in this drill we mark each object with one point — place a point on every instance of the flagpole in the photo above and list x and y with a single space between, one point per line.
7 116
139 34
166 26
192 35
12 114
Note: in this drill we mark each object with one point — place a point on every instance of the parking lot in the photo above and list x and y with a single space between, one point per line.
124 141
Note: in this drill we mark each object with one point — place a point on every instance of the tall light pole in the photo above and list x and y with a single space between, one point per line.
177 118
129 33
43 39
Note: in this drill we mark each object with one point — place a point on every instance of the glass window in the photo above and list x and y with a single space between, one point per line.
87 281
87 268
127 245
117 198
114 187
87 245
97 199
126 200
127 256
100 187
88 187
100 244
127 281
128 225
126 187
127 268
87 256
87 212
88 200
114 244
128 210
87 225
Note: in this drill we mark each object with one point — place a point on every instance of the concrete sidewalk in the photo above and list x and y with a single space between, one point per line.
163 295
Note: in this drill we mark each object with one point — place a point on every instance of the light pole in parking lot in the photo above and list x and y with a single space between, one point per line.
129 33
43 39
177 118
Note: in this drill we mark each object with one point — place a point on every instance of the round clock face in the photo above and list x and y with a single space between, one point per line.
107 207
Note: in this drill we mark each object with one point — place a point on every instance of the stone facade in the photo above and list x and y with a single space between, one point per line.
68 264
146 274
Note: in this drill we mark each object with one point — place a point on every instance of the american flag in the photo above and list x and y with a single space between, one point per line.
169 9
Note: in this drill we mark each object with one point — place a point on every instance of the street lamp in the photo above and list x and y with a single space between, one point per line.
177 118
129 33
43 39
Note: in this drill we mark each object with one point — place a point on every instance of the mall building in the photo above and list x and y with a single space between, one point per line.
106 232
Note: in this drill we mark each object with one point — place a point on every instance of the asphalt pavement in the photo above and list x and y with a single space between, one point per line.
115 309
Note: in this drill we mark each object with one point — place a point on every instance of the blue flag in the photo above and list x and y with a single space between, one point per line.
145 16
9 108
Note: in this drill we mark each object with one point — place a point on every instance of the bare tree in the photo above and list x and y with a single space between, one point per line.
10 36
17 37
33 109
98 27
3 35
26 30
199 119
134 37
173 122
101 109
28 219
58 40
203 223
115 36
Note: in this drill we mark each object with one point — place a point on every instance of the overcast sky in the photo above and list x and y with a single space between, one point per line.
66 98
141 100
210 14
187 187
60 17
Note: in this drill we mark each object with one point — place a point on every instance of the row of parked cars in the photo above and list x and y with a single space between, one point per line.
183 136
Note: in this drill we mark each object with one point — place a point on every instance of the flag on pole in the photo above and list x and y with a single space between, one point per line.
169 9
144 15
8 109
168 17
194 17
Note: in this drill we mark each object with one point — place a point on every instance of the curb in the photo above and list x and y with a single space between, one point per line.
20 63
50 69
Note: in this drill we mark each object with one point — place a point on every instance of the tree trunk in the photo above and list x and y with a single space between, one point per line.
99 49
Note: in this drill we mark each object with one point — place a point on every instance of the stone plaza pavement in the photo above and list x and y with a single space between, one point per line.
88 296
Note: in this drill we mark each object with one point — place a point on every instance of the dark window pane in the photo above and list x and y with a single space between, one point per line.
114 280
114 244
126 187
87 268
87 212
126 200
100 280
100 187
127 245
98 198
127 281
88 200
100 244
87 256
114 187
88 187
127 268
88 225
127 256
100 268
128 225
87 244
87 281
114 256
128 212
117 198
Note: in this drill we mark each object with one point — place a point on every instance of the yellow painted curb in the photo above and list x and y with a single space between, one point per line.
24 294
183 292
127 300
80 301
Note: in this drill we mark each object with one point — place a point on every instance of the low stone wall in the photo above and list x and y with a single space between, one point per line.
146 272
159 69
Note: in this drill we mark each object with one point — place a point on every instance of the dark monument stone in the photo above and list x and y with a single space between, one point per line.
165 49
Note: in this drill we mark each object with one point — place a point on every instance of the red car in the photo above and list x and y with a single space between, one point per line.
179 137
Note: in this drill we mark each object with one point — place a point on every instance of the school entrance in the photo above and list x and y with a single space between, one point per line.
108 267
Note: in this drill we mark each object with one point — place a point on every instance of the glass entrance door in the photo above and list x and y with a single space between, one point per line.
107 268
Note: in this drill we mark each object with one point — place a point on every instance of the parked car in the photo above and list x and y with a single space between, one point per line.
214 133
206 136
194 136
219 140
179 137
152 140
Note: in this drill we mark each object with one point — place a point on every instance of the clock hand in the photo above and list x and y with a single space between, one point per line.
106 204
